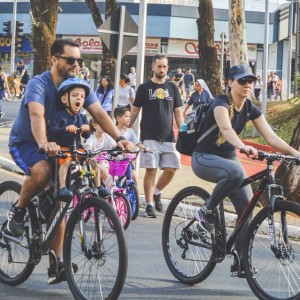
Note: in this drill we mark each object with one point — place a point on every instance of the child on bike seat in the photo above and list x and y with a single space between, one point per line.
72 93
98 141
122 116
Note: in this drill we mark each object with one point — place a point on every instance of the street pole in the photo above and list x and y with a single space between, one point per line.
223 36
266 60
13 38
289 73
140 61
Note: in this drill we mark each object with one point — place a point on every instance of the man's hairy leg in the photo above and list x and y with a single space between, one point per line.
32 185
149 180
165 178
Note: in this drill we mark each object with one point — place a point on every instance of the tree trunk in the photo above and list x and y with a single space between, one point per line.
44 16
237 33
209 66
108 61
290 174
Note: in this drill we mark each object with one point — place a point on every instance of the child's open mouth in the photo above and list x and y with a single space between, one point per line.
77 104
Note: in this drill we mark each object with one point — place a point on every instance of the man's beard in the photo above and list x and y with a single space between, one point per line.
160 75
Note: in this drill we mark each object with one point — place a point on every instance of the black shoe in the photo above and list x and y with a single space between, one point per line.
239 271
149 212
15 224
157 201
56 272
103 192
64 194
206 219
61 270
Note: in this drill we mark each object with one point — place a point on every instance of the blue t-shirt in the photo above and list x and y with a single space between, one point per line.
196 99
40 89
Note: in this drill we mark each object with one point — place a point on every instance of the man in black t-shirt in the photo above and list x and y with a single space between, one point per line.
24 75
178 78
160 100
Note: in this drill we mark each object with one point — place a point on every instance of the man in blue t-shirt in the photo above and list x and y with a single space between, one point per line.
29 134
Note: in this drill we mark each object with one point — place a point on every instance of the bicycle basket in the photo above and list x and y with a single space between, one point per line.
117 167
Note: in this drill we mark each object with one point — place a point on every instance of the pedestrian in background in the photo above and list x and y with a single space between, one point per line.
178 78
258 86
3 86
24 75
105 94
126 92
189 82
132 77
202 95
161 103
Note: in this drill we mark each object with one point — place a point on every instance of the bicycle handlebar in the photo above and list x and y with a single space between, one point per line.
274 156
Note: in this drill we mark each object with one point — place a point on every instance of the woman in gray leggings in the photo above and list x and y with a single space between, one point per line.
214 158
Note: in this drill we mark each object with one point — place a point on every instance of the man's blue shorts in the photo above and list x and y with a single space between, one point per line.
26 155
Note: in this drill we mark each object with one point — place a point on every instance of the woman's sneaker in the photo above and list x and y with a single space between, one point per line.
206 219
149 211
56 272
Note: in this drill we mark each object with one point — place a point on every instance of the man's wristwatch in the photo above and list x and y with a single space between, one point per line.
120 138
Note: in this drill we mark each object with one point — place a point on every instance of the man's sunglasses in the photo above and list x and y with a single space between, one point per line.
71 60
245 80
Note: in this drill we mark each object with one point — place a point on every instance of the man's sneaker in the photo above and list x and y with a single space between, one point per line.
206 219
2 114
103 192
157 201
149 211
15 224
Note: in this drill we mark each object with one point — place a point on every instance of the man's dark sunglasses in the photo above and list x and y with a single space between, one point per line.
71 60
245 80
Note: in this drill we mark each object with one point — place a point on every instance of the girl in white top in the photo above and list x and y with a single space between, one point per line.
126 92
122 116
99 140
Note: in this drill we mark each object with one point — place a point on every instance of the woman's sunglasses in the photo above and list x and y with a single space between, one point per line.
245 80
71 60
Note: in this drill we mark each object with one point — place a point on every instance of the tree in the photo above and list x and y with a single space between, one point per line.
209 66
237 36
290 174
44 16
108 61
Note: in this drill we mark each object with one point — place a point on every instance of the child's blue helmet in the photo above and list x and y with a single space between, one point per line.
71 83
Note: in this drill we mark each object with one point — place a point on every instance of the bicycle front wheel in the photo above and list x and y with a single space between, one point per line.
132 194
273 270
187 252
15 267
99 251
123 208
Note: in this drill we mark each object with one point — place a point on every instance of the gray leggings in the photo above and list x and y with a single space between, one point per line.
228 174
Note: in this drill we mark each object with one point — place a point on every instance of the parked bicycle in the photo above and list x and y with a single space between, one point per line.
271 246
99 251
118 199
14 86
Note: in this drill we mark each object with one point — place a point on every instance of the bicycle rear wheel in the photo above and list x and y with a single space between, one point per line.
189 263
15 267
99 251
273 272
132 194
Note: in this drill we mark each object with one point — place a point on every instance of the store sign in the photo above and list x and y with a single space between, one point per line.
23 44
189 49
88 44
152 47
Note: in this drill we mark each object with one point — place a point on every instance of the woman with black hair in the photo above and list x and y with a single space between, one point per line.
105 94
126 92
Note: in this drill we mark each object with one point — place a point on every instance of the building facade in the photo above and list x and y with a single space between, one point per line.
171 28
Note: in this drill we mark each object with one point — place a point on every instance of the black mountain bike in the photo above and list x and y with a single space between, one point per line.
271 247
96 244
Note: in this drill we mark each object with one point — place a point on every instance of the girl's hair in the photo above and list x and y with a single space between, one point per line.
120 112
125 77
221 140
109 86
91 124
